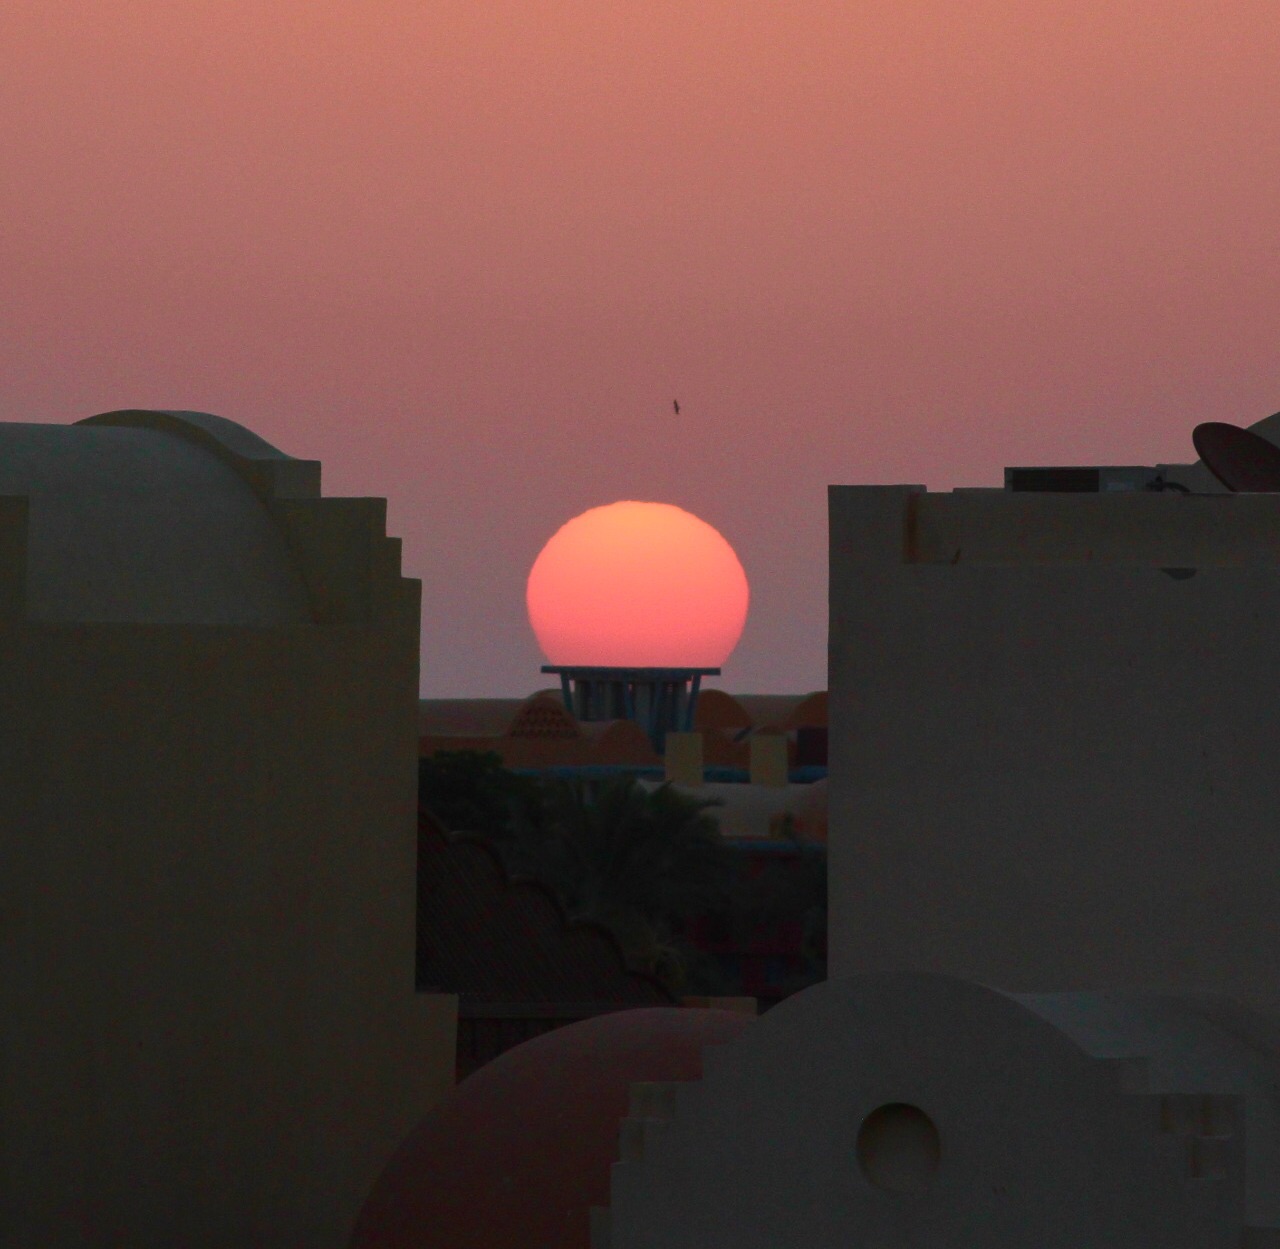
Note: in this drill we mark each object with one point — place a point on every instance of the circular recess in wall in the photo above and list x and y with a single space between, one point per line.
899 1148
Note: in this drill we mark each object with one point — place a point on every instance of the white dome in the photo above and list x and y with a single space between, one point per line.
144 518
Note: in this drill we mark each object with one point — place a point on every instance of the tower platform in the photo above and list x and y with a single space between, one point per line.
662 700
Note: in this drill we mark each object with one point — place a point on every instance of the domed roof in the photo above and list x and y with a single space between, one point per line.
541 715
718 709
517 1154
151 517
782 712
545 715
621 742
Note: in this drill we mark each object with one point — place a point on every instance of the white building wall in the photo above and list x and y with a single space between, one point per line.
209 1034
1053 764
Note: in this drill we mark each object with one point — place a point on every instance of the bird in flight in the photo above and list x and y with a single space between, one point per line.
675 403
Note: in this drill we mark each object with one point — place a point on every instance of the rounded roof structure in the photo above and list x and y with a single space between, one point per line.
718 709
540 715
518 1153
148 517
784 712
621 742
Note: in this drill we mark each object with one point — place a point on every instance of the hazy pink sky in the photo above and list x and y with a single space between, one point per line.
466 252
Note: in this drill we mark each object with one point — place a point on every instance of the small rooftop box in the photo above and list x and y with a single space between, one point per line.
1099 479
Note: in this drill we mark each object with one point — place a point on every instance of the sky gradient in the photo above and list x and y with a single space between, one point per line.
467 254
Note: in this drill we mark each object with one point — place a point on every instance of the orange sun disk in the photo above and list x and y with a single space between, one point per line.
637 585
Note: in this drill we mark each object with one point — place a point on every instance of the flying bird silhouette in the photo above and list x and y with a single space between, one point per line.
675 403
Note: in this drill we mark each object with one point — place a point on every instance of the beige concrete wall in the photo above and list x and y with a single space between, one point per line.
1056 773
1133 528
682 758
210 1033
768 760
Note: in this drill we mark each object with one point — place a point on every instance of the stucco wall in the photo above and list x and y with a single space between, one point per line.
1062 773
210 1033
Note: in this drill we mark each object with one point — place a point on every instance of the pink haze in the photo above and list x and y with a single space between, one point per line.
469 254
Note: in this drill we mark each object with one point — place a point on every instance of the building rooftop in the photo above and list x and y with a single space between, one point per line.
151 518
518 1153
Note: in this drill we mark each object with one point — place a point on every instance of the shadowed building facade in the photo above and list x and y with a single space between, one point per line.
208 724
1055 736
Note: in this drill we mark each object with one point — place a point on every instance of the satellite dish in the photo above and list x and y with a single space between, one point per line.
1240 459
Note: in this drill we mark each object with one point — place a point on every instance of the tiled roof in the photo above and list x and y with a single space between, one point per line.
489 938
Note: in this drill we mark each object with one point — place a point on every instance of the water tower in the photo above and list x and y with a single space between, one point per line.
661 700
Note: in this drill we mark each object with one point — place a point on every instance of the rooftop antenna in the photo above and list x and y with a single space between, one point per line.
1242 460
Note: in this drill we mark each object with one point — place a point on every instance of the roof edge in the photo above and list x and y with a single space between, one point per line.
269 471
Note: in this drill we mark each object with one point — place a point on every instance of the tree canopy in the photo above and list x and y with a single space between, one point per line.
640 859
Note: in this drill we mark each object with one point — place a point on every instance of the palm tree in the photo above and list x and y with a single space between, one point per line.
470 791
625 847
636 860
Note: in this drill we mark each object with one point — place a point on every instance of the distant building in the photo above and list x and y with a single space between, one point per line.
539 734
531 733
727 722
774 830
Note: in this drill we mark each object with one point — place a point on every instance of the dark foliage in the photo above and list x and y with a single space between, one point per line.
640 860
470 791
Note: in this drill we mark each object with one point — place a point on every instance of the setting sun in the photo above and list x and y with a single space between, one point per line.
637 585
